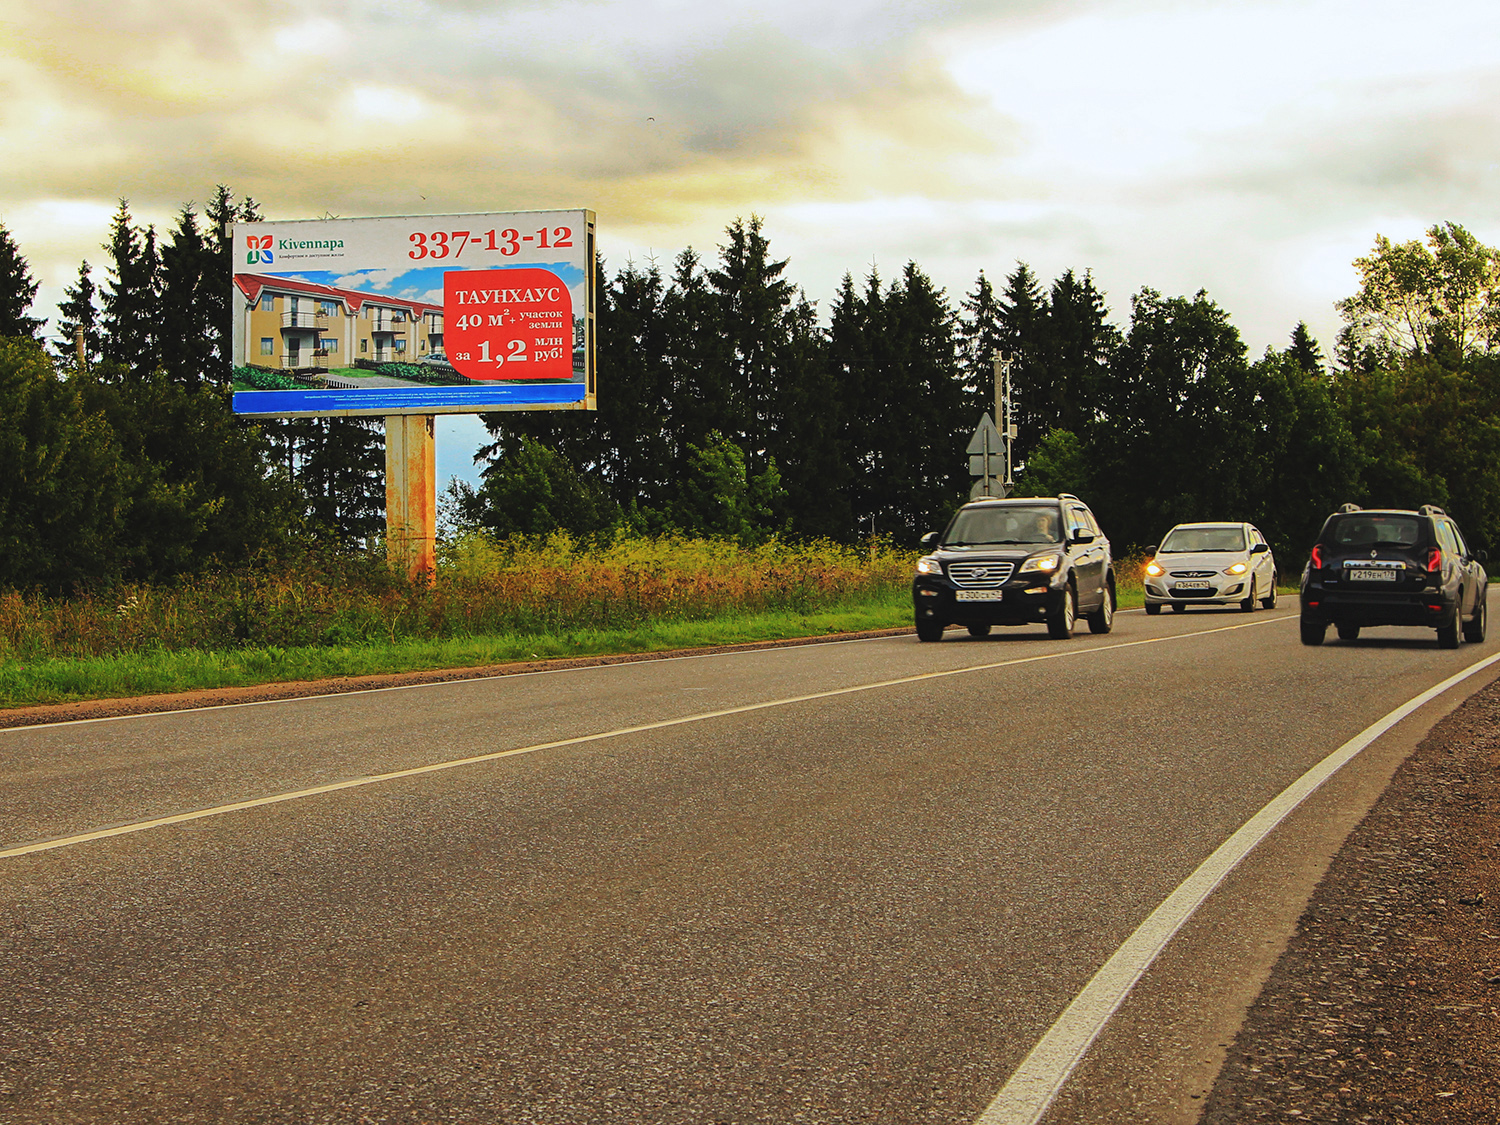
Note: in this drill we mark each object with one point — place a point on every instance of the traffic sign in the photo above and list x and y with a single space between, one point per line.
987 460
986 438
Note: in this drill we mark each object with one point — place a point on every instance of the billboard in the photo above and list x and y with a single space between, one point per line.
429 314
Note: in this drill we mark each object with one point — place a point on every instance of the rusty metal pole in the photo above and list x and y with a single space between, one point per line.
411 494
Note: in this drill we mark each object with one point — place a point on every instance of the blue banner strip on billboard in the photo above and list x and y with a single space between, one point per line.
406 400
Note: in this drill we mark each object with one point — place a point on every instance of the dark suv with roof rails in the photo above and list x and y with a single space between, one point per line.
1387 566
1016 561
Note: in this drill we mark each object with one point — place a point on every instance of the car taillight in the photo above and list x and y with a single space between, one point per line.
1434 559
1317 557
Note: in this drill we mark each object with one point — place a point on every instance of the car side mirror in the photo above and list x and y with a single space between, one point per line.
1083 537
1259 549
929 540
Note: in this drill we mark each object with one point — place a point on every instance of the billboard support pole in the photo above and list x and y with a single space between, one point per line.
411 494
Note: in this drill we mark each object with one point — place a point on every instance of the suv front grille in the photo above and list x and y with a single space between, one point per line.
980 575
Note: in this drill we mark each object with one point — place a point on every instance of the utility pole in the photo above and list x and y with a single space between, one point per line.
1005 418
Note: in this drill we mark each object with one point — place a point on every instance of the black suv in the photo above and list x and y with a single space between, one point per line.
1015 562
1390 567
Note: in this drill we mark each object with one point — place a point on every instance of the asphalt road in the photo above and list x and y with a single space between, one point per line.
835 883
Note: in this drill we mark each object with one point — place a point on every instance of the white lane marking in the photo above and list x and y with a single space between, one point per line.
435 767
1028 1093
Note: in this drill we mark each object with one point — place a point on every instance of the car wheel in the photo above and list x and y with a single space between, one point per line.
1348 632
929 631
1313 632
1062 615
1102 620
1269 601
979 630
1474 627
1153 609
1248 605
1178 607
1448 631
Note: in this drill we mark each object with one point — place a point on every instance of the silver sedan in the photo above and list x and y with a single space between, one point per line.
1211 564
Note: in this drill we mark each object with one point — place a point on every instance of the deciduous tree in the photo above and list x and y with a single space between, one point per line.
1417 297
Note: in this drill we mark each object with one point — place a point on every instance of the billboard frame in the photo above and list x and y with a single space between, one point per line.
490 396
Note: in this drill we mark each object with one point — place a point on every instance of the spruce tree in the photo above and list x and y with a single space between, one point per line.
853 335
186 334
1077 348
79 311
1023 338
341 473
220 216
131 302
810 444
697 367
919 467
17 291
752 303
635 409
1305 351
981 339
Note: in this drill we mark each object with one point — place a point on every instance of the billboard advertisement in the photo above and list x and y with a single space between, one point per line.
428 314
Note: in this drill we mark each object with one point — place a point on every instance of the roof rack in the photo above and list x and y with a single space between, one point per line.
1067 496
1350 508
1430 510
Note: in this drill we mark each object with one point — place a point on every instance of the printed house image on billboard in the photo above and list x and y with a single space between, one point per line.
430 314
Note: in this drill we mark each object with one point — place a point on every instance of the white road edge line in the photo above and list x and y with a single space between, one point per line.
1030 1091
436 767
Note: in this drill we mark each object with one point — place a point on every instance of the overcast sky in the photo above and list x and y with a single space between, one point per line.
1251 148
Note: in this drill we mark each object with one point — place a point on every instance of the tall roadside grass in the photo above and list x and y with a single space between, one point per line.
1130 579
491 600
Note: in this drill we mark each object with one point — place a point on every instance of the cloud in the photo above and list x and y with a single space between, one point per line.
649 109
1239 145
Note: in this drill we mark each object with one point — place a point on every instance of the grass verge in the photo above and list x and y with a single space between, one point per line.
160 671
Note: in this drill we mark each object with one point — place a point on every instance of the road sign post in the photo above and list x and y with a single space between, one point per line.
987 461
990 447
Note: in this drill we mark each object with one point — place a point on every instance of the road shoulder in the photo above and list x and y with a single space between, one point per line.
1383 1008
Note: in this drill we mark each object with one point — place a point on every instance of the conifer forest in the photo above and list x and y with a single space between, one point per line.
733 404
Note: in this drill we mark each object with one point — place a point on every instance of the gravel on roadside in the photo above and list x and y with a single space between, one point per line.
1383 1008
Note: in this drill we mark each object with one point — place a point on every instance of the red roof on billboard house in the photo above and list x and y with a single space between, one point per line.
251 284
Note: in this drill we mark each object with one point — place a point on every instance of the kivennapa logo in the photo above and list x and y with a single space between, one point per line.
259 249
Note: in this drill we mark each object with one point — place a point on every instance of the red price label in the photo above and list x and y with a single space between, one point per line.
508 324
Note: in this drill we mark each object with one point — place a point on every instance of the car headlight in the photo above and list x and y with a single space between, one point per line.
1154 569
929 565
1044 563
1237 568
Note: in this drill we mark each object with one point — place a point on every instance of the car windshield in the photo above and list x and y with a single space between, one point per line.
1184 539
1001 525
1370 531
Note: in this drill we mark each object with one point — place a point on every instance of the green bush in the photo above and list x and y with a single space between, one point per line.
263 380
